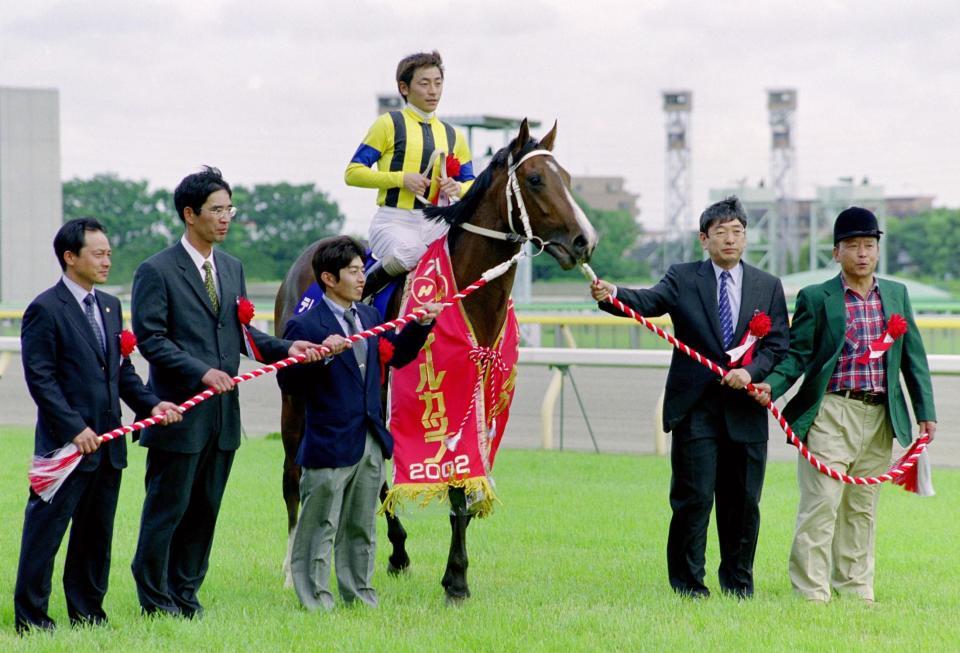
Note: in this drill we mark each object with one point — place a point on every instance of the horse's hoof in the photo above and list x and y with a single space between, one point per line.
398 564
456 601
397 571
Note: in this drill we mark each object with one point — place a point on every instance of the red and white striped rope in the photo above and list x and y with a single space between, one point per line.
899 469
485 278
48 473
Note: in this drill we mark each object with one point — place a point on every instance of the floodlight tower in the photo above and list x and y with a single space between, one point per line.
782 107
679 222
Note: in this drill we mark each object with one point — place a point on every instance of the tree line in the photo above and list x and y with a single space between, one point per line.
274 223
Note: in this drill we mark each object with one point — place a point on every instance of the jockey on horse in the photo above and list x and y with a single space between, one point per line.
404 146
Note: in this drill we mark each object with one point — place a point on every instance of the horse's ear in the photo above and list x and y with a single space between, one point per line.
547 141
523 136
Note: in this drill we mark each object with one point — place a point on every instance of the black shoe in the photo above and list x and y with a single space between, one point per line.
692 593
92 620
25 628
160 612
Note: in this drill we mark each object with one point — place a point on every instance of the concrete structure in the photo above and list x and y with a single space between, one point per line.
606 194
908 206
814 218
31 204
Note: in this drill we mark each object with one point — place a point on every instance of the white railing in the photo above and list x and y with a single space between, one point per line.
562 360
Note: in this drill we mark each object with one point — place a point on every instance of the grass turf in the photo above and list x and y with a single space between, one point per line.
573 560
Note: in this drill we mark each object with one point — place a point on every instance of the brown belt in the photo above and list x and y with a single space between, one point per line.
869 398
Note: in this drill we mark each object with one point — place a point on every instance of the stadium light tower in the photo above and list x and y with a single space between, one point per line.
782 107
679 222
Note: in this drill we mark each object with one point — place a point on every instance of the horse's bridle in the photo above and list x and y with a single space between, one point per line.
512 191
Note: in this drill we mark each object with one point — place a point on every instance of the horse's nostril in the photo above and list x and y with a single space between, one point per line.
580 243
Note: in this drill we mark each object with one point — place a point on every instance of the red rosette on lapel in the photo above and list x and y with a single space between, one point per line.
128 343
896 327
385 348
245 313
742 354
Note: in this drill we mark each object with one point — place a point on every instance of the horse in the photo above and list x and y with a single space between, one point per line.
482 234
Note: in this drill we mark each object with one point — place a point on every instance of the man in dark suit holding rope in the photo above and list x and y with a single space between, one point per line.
719 445
185 317
77 376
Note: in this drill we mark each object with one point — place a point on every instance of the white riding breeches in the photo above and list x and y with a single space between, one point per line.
403 235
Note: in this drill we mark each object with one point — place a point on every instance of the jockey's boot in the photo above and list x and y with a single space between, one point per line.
377 278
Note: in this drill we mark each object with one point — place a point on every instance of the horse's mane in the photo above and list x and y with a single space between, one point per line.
461 212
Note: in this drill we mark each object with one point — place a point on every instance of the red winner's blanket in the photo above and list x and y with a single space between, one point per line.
448 409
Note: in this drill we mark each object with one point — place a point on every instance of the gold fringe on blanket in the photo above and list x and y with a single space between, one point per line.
479 491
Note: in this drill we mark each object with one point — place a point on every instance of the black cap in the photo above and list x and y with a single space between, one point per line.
854 222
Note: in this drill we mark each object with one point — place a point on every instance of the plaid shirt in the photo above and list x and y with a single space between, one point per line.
865 324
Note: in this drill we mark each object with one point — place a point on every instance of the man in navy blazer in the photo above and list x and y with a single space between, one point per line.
70 337
719 448
345 441
185 316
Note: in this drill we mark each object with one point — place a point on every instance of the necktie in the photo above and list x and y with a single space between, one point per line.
726 317
210 286
88 303
359 346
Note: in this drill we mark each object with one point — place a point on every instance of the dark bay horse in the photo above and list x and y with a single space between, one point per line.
487 227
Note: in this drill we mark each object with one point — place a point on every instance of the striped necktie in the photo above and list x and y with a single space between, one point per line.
726 316
211 286
88 303
359 346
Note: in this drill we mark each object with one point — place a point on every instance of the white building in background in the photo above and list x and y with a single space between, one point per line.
31 204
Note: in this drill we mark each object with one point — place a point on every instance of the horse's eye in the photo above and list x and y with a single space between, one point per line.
534 180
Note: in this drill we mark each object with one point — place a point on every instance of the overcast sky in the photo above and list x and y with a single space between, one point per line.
285 90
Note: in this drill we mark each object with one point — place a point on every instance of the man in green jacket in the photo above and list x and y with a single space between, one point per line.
849 408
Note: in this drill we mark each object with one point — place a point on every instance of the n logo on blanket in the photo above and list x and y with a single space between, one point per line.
449 408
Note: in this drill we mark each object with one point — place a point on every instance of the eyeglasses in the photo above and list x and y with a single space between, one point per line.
722 233
221 211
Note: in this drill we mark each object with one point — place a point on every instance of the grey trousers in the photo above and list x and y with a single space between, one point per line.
338 520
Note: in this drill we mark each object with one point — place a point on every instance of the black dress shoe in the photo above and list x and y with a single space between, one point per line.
740 594
160 612
693 594
93 620
192 614
25 628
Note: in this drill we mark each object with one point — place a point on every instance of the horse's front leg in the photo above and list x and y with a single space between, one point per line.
455 578
291 432
399 561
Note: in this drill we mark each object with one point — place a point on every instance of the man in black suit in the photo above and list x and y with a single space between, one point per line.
185 317
719 437
75 374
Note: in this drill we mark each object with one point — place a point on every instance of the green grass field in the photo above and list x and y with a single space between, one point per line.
573 561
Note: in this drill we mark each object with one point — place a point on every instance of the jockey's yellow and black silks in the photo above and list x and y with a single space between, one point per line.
399 142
